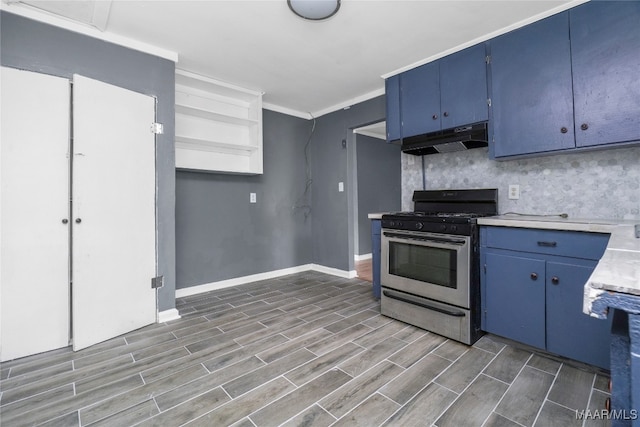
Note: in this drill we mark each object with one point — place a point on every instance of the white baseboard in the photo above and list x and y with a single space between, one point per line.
198 289
362 257
167 315
334 271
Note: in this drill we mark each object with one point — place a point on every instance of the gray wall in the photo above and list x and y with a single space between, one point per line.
220 235
378 186
332 211
34 46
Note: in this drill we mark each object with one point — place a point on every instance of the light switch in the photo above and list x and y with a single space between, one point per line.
341 187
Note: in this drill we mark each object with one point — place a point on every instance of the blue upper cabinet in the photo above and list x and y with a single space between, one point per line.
439 95
605 49
531 95
420 100
392 91
568 82
463 87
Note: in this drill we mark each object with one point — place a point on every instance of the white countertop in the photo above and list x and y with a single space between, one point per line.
376 215
554 223
619 268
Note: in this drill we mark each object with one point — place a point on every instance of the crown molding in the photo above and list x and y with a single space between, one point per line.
87 30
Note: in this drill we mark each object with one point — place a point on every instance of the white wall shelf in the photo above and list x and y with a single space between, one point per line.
213 146
218 126
211 115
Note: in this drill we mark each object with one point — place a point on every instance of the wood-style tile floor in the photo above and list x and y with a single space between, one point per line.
307 349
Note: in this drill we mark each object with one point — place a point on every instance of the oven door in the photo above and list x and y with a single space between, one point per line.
429 265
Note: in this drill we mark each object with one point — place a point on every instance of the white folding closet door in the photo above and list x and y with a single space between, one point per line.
34 240
114 244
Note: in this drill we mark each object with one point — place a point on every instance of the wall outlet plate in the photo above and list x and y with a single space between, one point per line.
514 191
252 197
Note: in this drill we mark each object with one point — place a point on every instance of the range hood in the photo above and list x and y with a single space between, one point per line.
447 141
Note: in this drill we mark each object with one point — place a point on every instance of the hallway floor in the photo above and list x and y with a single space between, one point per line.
306 349
364 270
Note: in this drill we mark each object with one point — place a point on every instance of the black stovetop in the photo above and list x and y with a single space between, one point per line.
453 217
445 211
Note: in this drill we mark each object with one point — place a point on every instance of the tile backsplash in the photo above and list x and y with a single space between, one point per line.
596 184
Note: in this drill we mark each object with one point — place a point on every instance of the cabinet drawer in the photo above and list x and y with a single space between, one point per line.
573 244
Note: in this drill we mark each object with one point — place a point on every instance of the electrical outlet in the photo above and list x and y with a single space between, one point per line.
514 191
252 197
341 186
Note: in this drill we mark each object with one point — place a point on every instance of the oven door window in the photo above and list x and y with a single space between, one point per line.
424 263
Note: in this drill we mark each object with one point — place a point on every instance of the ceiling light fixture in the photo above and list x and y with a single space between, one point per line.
314 10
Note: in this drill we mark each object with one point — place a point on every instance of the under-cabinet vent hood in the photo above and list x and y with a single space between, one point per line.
447 141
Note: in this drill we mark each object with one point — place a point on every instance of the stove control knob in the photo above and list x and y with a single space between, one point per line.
443 227
419 226
454 228
399 223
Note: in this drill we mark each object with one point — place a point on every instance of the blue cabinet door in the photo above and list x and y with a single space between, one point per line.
532 98
605 49
514 305
570 332
463 87
420 100
392 97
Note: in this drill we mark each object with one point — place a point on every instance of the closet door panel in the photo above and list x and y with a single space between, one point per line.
34 252
113 208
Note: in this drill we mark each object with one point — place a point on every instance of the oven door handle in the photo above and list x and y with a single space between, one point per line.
425 239
455 313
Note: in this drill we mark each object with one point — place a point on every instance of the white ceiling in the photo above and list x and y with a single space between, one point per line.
303 67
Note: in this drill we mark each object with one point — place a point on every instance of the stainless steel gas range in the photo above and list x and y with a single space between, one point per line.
430 267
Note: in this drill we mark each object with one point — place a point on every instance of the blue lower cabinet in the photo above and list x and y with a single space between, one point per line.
514 303
570 332
376 228
621 376
537 298
634 362
625 354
